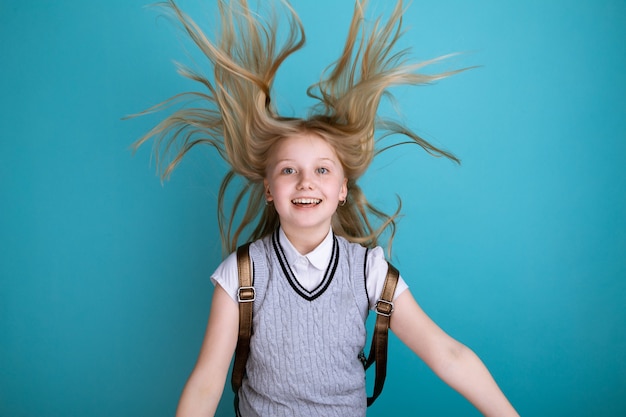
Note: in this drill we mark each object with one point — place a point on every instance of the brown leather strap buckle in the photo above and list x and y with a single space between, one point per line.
246 294
384 308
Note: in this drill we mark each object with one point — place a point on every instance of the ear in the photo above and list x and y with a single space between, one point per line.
343 192
268 193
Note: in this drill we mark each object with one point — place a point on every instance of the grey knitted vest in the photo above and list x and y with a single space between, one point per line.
305 345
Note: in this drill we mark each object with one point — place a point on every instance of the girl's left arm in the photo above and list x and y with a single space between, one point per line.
453 362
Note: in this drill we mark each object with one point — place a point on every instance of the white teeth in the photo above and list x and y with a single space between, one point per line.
306 201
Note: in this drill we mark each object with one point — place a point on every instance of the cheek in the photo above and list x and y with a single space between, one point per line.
276 185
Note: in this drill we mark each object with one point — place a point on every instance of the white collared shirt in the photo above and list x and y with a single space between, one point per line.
309 269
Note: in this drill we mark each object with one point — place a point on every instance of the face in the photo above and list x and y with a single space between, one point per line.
305 181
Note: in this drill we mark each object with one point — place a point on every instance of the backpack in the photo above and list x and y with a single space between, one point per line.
246 297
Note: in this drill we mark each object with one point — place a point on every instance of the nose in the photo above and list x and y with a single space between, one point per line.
305 181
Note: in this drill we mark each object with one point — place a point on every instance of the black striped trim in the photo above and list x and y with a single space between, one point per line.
293 281
367 251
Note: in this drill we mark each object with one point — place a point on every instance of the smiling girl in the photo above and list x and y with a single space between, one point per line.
318 267
305 181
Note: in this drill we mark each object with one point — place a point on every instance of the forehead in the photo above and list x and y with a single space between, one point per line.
303 146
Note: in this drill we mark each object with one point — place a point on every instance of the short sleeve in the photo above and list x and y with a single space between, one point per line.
226 276
376 272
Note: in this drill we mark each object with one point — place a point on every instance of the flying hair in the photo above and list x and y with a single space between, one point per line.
235 114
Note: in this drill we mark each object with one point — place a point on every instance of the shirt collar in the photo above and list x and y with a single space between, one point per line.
318 257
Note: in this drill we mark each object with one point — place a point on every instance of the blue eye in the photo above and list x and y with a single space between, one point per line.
322 171
288 171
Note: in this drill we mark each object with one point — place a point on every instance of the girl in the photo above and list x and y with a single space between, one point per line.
311 224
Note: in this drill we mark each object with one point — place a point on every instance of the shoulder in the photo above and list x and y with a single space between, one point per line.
373 258
227 274
376 258
376 267
260 247
351 247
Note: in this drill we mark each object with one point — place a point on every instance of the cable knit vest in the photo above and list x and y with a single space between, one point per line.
305 345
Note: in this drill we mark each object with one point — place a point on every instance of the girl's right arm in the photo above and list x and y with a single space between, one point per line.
204 388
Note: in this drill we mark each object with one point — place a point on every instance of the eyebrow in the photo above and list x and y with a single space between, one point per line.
319 159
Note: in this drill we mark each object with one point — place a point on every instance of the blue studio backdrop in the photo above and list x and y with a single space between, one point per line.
520 252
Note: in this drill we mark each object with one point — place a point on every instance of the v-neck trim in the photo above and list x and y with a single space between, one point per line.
329 274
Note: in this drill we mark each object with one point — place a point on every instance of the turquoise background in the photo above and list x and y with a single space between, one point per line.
520 253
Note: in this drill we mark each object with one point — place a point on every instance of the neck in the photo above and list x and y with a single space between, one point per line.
306 240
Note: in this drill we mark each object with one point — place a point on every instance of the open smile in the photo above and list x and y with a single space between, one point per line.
306 201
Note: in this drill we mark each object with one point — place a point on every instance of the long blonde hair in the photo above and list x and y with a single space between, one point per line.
235 113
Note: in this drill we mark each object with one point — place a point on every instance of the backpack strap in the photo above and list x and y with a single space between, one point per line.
378 350
245 296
